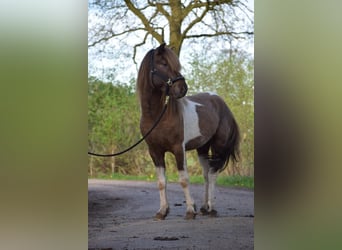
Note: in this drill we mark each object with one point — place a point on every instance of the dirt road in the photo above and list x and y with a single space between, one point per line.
120 216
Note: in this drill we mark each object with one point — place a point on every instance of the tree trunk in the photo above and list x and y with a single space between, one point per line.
175 21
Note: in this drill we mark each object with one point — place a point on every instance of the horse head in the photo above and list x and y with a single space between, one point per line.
165 72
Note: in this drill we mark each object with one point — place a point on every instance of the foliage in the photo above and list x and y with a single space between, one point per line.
113 124
231 76
114 113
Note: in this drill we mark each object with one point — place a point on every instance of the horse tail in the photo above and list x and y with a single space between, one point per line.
230 150
233 143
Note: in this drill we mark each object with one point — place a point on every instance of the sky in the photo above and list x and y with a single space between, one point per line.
117 61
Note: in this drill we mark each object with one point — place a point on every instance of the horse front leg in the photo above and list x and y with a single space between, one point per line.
159 162
184 182
164 205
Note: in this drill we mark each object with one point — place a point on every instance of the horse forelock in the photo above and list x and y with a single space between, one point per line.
172 60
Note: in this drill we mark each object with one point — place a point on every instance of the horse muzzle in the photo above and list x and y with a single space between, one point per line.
178 89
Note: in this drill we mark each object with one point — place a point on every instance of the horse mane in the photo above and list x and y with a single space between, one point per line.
144 74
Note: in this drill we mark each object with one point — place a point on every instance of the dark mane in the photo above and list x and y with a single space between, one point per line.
144 73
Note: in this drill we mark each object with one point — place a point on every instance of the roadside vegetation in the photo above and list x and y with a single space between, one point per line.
222 180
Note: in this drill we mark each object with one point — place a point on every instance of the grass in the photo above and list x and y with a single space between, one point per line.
222 180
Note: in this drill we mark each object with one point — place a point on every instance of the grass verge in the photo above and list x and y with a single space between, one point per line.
222 180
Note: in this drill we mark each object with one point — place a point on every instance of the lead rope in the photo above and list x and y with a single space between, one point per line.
138 142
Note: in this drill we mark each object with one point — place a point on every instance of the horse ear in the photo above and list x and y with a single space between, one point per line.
161 48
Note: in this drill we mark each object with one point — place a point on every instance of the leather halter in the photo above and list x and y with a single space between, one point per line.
168 81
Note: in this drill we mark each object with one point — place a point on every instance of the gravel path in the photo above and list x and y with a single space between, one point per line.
120 216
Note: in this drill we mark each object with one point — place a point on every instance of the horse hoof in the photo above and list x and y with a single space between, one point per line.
190 215
212 213
160 216
204 211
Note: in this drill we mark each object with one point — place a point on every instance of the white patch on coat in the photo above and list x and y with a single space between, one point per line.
190 119
212 93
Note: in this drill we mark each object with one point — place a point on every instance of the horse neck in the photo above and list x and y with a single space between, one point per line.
152 106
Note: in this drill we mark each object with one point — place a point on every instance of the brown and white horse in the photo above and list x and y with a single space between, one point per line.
202 122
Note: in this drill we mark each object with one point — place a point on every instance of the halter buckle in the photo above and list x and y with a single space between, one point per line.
169 82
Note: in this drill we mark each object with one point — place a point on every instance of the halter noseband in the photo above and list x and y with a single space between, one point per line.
169 81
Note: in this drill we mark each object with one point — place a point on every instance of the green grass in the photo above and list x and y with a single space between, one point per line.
222 180
236 181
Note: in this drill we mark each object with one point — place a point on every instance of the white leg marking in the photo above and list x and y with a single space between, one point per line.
162 190
184 181
212 183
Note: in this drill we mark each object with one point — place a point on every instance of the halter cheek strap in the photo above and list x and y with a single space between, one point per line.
169 81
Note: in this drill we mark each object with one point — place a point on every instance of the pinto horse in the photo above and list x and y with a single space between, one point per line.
202 122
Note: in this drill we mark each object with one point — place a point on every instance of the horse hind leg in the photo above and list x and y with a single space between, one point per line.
209 181
210 177
205 169
215 164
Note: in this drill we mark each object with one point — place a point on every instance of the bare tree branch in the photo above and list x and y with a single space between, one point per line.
161 9
231 19
233 34
144 20
197 20
138 45
112 35
198 4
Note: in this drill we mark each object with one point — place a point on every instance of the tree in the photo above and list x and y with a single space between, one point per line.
169 19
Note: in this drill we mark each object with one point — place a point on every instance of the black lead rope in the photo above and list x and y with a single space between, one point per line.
138 142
